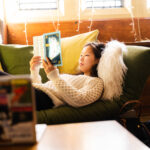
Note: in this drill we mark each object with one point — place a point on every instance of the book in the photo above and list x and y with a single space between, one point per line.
17 110
48 45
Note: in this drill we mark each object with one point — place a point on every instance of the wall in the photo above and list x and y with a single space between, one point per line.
125 24
109 29
69 11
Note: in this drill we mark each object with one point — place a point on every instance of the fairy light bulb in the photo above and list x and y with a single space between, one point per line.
91 18
25 31
79 19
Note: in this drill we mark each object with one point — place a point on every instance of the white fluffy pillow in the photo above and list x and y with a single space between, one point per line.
112 69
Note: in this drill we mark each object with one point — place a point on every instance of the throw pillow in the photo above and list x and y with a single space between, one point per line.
1 69
71 49
15 58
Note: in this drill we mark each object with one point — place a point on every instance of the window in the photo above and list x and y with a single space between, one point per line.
103 3
148 3
37 4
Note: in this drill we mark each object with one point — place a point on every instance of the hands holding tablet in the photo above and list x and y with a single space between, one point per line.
36 61
48 67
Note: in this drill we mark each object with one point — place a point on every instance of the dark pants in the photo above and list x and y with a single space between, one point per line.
43 101
3 73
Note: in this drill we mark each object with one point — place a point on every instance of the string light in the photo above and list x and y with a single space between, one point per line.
91 19
56 27
79 19
139 30
54 23
25 26
138 26
133 22
26 35
58 18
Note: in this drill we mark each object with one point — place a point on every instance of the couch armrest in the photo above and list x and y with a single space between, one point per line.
134 111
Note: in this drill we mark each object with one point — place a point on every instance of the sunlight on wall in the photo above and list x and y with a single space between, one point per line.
69 10
148 3
1 11
13 14
75 10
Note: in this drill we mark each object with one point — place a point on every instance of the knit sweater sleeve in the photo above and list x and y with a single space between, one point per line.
35 76
88 94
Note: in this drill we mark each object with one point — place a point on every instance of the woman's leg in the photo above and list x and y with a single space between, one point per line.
42 100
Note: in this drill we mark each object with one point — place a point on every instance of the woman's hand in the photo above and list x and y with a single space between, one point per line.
48 67
34 62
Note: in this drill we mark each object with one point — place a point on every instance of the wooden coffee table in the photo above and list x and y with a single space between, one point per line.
101 135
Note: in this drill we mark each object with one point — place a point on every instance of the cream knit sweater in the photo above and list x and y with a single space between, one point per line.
74 90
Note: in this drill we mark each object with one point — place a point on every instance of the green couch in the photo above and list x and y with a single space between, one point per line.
15 60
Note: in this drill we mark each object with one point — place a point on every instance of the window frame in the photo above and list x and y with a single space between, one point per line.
103 7
20 16
37 9
148 6
101 13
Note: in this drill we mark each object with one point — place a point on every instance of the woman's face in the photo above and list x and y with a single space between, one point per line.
87 60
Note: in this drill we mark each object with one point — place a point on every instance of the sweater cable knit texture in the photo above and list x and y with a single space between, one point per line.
74 90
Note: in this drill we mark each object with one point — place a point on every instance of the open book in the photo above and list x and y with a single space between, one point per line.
48 45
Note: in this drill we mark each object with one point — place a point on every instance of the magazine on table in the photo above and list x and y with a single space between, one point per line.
48 45
17 110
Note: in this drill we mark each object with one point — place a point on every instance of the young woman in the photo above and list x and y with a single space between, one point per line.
64 89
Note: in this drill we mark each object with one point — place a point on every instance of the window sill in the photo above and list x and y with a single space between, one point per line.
110 13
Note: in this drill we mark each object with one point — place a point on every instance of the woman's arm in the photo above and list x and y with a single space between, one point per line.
90 92
35 68
78 98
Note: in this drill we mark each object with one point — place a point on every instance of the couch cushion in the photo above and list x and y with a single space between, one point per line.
15 59
100 110
137 59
